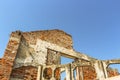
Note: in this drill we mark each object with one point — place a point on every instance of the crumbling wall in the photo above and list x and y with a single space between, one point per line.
24 73
89 73
53 57
53 36
24 47
17 49
112 72
9 56
24 55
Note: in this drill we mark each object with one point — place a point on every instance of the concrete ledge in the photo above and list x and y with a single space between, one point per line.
113 78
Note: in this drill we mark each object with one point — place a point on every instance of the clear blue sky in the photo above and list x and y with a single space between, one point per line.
93 24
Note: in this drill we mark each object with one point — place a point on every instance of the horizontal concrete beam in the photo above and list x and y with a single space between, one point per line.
65 52
73 64
113 78
112 61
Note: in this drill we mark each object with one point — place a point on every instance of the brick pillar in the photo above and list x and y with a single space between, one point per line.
53 58
9 55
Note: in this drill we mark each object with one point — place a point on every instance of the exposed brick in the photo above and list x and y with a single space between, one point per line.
25 73
47 73
17 39
57 73
54 36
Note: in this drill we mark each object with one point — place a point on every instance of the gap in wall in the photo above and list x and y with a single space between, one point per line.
65 60
114 69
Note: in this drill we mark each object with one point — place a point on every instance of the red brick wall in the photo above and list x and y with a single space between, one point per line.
112 72
90 74
25 73
53 36
9 56
30 73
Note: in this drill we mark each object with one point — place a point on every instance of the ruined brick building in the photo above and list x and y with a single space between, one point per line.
37 55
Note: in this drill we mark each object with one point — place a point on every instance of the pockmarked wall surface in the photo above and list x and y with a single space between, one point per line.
36 55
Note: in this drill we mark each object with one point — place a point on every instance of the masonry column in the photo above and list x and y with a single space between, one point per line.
68 72
79 73
53 58
9 55
98 65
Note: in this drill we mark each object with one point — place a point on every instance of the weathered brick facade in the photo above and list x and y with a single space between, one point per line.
90 74
25 47
9 56
24 73
17 39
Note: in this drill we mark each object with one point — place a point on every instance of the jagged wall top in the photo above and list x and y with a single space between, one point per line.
55 36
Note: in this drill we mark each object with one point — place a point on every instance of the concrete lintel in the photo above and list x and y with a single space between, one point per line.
64 51
113 78
112 61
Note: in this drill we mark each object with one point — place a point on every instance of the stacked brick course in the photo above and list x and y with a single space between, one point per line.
7 70
7 62
9 56
112 72
90 74
53 36
24 73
